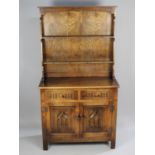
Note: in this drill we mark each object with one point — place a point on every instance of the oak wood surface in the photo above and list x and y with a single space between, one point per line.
78 89
45 9
78 49
78 82
77 23
78 70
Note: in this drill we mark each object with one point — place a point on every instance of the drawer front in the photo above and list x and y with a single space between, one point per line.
60 94
95 94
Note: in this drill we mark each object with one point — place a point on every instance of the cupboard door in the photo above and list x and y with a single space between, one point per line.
62 122
96 122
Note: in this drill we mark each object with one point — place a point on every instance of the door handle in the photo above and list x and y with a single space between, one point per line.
80 116
77 117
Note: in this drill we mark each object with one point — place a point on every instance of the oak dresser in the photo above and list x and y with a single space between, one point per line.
78 88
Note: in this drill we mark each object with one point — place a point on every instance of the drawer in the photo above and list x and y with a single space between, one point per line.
60 94
95 94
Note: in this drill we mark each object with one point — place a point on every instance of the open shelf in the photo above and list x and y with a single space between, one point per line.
105 36
79 62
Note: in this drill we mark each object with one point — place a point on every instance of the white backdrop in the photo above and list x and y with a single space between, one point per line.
30 62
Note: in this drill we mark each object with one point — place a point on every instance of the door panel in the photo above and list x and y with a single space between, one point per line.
62 120
93 119
80 121
96 121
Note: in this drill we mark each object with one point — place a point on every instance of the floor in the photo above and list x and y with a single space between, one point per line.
31 144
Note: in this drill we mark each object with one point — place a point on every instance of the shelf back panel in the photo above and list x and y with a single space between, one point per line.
78 70
77 22
78 49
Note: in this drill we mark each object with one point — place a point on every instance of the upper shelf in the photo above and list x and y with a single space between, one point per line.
79 62
78 41
104 36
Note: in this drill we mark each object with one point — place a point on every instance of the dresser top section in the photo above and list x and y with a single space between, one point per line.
110 9
78 42
78 82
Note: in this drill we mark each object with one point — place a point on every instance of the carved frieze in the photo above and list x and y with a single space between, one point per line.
61 94
105 94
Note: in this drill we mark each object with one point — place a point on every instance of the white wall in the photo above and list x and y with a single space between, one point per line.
30 58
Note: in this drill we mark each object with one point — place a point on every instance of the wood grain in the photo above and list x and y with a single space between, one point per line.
77 82
78 70
109 9
70 49
82 22
78 89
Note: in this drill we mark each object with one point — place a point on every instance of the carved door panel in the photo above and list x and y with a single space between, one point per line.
62 121
96 122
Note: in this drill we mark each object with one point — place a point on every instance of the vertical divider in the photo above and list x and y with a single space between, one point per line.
41 25
114 119
44 121
79 95
82 119
113 34
42 46
79 111
43 59
113 24
113 68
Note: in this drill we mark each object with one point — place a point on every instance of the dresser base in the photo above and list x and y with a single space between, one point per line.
78 113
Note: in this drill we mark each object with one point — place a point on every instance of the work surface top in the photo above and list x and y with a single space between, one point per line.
78 82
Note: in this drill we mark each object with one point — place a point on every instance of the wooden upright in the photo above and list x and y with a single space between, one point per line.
78 88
